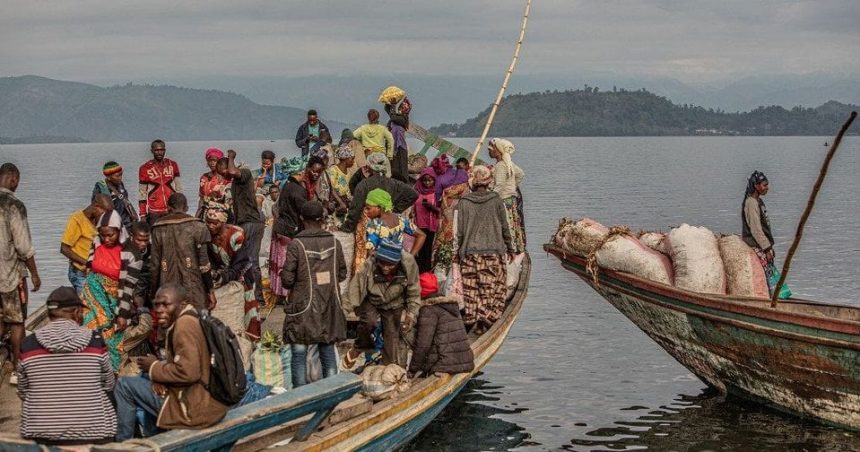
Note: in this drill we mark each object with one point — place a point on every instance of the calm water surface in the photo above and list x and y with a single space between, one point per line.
574 373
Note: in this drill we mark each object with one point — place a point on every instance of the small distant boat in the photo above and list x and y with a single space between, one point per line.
802 357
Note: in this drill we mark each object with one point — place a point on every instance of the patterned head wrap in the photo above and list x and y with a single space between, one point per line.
756 178
377 162
480 176
111 167
441 164
344 152
380 198
111 220
216 212
505 148
294 165
214 153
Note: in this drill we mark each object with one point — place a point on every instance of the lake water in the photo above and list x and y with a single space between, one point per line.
574 373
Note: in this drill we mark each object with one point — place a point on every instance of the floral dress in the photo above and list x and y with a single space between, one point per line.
378 230
214 189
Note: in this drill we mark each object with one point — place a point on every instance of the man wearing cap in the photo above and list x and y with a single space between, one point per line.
403 195
64 377
17 257
112 186
386 287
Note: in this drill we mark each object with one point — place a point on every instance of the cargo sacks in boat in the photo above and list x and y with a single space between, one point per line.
696 260
614 249
744 273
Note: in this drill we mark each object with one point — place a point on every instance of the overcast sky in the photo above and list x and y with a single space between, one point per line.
692 40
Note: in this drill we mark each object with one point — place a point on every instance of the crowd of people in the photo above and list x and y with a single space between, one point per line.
123 349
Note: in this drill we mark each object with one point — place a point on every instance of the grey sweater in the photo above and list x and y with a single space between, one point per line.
482 225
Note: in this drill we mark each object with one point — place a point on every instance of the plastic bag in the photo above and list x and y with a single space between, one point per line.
773 280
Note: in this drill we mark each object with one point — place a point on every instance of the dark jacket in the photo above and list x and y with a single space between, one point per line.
179 255
441 344
302 136
403 291
293 196
482 225
402 196
313 270
184 373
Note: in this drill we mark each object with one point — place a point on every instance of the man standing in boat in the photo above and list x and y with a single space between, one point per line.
312 134
16 253
112 186
158 178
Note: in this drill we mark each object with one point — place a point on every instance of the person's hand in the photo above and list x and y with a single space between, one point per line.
159 389
426 204
211 302
37 282
408 323
121 323
231 154
145 362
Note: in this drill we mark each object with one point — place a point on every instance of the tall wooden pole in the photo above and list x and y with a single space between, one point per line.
809 205
504 84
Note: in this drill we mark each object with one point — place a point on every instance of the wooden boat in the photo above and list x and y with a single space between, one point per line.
324 415
802 357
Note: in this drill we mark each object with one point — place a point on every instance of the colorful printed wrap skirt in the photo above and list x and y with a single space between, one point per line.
515 223
360 252
101 303
485 289
277 259
443 251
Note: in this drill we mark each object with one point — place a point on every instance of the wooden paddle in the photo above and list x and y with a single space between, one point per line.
809 205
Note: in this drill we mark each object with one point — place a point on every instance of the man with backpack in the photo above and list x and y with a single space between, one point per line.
177 390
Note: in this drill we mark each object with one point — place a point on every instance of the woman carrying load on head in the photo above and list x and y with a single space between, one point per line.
483 239
507 178
755 225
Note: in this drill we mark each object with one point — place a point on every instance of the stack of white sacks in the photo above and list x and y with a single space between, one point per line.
688 257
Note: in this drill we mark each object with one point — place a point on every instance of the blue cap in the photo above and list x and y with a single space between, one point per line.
389 251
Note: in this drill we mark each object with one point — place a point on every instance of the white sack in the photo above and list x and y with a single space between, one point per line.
580 237
626 254
696 259
744 273
656 241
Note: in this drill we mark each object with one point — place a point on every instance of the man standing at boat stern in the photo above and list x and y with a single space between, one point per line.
175 394
158 179
312 134
63 378
17 256
386 287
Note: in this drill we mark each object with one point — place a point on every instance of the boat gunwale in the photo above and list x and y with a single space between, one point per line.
440 385
737 305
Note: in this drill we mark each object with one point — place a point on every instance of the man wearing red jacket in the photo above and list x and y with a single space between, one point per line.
158 178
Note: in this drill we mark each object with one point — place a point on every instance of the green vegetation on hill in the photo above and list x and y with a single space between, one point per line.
591 112
32 107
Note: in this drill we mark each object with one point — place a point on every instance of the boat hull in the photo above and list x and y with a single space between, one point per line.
789 365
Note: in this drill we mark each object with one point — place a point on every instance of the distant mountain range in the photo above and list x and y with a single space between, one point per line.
38 109
591 112
447 98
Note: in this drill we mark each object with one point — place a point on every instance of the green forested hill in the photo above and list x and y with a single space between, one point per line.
33 107
591 112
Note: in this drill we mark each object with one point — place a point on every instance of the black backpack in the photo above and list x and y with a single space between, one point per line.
227 380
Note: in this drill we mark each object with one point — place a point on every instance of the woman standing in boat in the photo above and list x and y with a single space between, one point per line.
214 185
483 237
755 223
507 178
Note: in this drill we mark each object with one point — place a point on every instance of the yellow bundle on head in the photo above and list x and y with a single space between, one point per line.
392 95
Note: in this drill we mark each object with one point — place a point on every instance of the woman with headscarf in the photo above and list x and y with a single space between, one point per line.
101 292
214 185
231 261
755 224
398 124
507 178
446 175
483 239
450 186
338 175
426 215
384 224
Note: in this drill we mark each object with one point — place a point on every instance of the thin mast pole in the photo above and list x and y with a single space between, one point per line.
504 84
809 205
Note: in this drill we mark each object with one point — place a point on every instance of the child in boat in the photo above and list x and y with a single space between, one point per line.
426 217
103 311
441 344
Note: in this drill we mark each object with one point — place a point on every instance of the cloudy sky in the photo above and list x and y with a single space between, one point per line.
692 40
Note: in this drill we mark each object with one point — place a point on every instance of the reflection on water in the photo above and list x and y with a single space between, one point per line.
469 423
707 422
